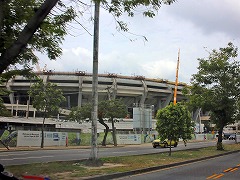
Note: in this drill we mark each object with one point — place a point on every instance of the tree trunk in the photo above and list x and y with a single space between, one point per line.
219 142
170 150
106 131
9 56
42 140
1 17
114 133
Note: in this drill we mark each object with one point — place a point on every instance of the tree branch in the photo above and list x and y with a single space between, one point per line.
8 57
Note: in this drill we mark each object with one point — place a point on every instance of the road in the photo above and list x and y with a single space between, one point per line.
28 157
224 167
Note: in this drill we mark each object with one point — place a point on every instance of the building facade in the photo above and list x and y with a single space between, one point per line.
77 88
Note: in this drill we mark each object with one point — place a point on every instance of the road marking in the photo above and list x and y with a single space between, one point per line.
39 157
123 152
227 170
234 169
10 154
210 177
218 176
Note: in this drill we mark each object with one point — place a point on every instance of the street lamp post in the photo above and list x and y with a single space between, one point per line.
94 154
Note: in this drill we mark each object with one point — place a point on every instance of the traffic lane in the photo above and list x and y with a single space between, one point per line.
37 156
143 149
224 167
27 157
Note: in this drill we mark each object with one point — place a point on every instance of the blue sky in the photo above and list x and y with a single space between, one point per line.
195 27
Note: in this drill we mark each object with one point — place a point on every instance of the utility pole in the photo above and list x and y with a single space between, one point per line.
94 154
176 82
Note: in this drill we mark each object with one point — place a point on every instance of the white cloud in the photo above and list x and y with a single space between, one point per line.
188 25
159 69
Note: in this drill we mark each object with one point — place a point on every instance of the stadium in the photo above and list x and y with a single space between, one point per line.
135 91
77 88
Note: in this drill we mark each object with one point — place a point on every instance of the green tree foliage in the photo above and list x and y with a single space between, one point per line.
80 114
3 92
25 29
216 87
3 110
47 98
108 109
174 122
114 109
148 8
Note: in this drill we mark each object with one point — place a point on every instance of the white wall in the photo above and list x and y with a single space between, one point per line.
129 138
33 138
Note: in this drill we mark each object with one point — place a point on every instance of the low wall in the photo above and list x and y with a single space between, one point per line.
129 138
202 137
33 138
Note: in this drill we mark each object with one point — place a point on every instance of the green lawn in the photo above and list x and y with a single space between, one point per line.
76 169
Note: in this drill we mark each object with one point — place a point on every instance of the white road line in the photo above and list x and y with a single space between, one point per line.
39 157
12 154
123 152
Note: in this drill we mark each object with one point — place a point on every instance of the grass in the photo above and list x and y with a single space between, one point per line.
76 169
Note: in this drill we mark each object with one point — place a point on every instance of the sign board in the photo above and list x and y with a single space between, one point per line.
33 138
142 118
129 138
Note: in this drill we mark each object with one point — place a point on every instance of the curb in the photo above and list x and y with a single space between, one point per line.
11 149
154 168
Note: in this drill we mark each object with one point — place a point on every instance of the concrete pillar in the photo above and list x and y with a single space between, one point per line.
27 111
17 109
168 100
45 78
80 93
114 88
169 97
12 110
68 102
144 94
11 95
159 103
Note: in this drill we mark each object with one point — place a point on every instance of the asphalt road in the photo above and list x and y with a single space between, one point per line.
36 156
224 167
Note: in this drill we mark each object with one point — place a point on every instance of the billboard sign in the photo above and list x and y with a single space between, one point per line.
33 138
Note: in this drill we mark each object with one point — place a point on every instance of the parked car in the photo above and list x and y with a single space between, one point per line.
164 143
226 135
232 137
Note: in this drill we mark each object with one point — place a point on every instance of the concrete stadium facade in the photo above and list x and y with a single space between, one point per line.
77 88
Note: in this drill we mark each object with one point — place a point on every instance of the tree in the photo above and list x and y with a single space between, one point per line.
3 92
3 110
114 109
47 98
174 122
42 31
82 113
216 87
106 109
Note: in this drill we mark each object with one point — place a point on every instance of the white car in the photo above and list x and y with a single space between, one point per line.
232 137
